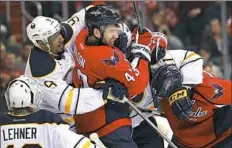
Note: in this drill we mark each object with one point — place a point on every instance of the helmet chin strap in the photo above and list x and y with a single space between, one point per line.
100 40
49 50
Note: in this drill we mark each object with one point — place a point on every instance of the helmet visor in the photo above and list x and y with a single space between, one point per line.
54 36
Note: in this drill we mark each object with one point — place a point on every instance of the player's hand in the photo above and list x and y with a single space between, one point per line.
181 103
112 90
121 42
145 38
141 44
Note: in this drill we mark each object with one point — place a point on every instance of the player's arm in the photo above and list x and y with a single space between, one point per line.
191 67
70 100
61 136
71 28
64 138
58 93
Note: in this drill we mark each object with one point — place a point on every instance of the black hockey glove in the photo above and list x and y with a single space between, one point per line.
121 42
181 103
112 90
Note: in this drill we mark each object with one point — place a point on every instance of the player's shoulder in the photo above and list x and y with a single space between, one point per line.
39 117
105 51
40 62
107 55
182 56
49 117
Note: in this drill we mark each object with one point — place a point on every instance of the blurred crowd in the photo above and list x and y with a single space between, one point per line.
194 26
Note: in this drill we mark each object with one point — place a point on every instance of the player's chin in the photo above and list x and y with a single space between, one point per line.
111 43
60 47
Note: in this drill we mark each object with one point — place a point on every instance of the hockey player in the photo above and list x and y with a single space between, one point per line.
50 64
98 59
200 113
25 126
184 61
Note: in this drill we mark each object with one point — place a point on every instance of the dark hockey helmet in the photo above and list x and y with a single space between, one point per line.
100 16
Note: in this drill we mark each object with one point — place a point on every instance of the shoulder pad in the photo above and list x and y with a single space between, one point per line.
41 63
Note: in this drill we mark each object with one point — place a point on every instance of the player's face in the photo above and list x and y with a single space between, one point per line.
110 34
56 43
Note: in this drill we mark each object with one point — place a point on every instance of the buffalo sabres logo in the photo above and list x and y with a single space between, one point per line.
112 61
218 91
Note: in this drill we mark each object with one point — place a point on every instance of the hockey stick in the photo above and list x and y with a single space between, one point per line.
135 62
150 123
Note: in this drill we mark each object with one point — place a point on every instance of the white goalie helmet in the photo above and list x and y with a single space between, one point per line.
41 29
23 92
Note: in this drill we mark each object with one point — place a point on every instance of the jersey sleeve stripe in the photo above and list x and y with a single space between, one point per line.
62 96
76 145
189 56
87 144
68 101
185 55
69 120
190 62
165 60
77 100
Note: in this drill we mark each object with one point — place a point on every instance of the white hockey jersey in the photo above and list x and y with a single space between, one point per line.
191 66
41 129
54 76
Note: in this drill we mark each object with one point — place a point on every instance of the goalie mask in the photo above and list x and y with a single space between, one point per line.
23 92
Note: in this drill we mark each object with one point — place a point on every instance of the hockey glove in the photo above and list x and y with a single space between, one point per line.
112 90
145 45
121 42
181 103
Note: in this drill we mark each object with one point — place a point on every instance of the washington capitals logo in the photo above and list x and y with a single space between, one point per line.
218 91
112 61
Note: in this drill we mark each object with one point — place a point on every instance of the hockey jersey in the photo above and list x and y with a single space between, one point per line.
97 63
41 129
55 75
191 66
